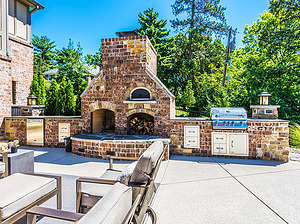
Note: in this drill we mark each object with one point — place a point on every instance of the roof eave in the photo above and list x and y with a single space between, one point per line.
34 5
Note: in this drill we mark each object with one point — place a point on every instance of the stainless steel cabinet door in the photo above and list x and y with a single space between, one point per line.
238 144
35 132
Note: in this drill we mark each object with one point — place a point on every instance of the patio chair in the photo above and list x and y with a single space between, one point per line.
141 180
4 165
19 192
116 207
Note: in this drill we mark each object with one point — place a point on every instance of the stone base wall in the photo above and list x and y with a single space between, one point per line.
52 130
16 128
267 139
97 149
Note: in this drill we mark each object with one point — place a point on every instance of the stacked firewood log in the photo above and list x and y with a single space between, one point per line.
141 126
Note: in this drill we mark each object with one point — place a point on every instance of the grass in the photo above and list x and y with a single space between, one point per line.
295 135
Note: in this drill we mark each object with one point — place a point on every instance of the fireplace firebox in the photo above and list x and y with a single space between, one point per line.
140 124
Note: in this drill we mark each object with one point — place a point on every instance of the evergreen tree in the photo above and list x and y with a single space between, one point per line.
152 27
157 32
71 65
42 94
70 102
61 103
35 87
52 99
44 54
95 59
205 16
82 87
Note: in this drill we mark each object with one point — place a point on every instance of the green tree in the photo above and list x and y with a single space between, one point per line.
66 103
70 101
205 16
42 94
207 69
61 103
44 54
158 34
51 107
270 60
82 87
71 65
35 87
152 27
95 59
188 97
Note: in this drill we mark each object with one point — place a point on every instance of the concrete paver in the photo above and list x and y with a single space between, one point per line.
195 189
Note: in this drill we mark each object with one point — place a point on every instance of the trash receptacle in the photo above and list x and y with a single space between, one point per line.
68 144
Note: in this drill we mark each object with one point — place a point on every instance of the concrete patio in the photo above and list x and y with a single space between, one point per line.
195 189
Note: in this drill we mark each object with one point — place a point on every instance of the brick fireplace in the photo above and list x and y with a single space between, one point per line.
127 98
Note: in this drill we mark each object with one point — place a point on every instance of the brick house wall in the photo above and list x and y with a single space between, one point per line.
5 90
18 67
21 54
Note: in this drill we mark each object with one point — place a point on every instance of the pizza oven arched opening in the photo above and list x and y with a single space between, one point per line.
140 94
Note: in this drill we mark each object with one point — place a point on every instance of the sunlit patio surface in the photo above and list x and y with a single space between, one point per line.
195 189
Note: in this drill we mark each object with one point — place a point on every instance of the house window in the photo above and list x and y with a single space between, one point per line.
140 94
13 92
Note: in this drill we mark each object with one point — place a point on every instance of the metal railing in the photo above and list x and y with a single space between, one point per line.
15 110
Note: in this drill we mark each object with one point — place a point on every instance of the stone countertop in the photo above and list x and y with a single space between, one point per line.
120 138
190 119
45 117
209 119
267 120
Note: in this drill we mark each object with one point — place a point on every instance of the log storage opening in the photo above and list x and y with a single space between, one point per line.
141 124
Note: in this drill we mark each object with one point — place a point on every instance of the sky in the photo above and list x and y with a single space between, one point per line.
89 21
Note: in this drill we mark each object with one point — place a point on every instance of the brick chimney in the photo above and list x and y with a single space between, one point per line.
130 55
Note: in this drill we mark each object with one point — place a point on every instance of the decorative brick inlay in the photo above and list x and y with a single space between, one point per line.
145 111
103 105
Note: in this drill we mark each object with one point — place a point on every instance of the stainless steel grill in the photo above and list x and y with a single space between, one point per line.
229 118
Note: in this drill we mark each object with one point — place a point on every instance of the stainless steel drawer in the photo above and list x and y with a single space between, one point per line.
192 142
191 131
219 138
220 149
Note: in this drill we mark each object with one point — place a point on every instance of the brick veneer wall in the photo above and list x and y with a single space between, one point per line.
16 128
17 67
21 54
128 62
52 130
97 149
5 90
